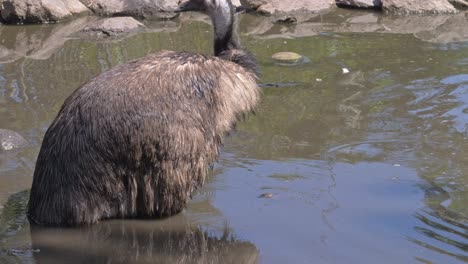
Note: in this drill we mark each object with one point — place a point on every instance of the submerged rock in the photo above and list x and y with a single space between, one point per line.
289 58
111 27
423 7
10 140
39 11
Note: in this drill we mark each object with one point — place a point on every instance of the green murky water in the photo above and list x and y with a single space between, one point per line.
365 167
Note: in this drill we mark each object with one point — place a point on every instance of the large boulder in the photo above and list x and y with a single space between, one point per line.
282 6
39 11
425 7
43 11
158 9
359 3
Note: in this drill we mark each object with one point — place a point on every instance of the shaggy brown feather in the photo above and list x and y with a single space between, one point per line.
138 139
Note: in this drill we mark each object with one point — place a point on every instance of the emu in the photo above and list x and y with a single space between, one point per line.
137 140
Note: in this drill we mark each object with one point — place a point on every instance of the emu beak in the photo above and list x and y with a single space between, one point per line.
186 6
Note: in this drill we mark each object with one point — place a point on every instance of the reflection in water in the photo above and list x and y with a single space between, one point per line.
163 241
374 161
14 247
138 242
443 231
447 230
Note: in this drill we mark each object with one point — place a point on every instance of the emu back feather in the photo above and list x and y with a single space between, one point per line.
138 139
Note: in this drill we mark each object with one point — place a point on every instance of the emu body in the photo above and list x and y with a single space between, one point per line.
137 140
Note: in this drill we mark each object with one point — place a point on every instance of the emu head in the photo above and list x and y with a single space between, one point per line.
222 15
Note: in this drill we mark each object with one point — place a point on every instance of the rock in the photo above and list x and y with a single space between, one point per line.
280 6
359 3
39 11
10 140
425 7
75 6
158 9
112 27
288 58
460 4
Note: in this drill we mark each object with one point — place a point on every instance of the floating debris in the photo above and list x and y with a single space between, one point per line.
345 71
266 195
395 178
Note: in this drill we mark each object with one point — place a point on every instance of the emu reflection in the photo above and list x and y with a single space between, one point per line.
167 241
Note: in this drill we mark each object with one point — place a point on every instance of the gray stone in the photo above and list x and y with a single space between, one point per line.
156 9
114 26
75 6
359 3
10 140
39 11
282 6
424 7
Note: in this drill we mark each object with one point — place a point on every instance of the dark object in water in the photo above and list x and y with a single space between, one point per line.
266 195
291 20
137 140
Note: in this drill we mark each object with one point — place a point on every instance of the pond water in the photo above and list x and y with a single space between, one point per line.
365 167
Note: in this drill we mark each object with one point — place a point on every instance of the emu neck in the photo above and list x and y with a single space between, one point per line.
224 30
